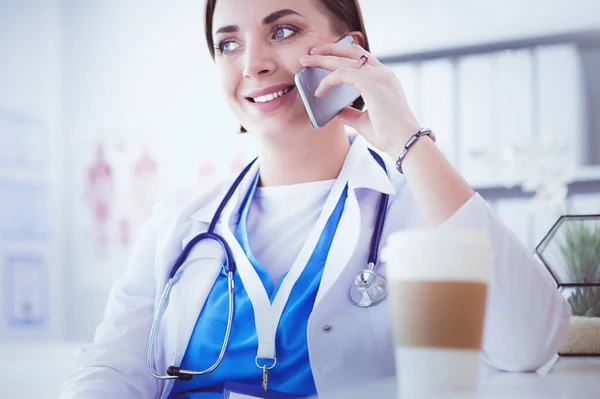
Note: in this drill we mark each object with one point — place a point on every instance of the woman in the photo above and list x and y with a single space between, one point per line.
305 218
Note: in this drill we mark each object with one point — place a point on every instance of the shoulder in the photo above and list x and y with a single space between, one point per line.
183 203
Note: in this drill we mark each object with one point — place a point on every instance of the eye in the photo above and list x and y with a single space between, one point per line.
281 33
227 46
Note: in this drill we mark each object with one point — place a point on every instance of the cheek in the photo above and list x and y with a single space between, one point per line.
290 57
228 80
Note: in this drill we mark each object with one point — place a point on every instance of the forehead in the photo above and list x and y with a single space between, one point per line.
252 12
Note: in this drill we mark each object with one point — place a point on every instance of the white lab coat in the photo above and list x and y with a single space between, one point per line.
525 324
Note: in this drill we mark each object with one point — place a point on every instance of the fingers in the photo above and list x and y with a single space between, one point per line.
343 60
329 62
345 51
354 118
345 75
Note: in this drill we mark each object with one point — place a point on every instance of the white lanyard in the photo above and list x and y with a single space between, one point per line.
267 315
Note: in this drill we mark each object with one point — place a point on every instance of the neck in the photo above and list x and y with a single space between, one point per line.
305 156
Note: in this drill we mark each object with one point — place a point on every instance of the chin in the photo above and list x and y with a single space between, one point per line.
279 127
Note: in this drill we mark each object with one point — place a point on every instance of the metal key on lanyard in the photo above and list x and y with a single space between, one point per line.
265 378
265 373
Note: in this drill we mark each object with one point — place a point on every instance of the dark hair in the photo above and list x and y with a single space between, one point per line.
345 16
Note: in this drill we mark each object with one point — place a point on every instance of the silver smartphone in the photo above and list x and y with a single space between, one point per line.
321 110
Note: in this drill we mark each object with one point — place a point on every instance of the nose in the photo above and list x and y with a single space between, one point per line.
259 61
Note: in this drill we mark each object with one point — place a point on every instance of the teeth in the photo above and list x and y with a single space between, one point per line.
272 96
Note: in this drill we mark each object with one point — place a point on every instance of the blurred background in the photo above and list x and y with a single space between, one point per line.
107 105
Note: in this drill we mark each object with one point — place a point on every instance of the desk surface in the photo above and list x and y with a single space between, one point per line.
569 378
35 370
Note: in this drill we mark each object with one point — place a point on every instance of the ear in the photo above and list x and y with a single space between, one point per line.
359 38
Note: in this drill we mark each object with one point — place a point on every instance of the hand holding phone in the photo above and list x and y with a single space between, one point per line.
321 110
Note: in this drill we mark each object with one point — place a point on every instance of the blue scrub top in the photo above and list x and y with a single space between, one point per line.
292 374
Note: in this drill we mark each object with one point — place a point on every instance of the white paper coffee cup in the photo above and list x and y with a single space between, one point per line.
437 282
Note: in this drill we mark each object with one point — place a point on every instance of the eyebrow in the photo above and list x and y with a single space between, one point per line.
269 19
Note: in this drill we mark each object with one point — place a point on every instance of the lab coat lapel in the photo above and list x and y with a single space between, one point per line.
367 173
342 246
364 172
198 276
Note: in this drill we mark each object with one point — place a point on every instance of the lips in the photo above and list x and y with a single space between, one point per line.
269 94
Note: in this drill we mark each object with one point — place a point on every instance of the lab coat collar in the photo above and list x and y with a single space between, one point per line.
364 172
205 213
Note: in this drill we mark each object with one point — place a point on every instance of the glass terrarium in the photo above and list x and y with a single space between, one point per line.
571 252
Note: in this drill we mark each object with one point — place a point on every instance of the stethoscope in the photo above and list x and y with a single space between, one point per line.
368 288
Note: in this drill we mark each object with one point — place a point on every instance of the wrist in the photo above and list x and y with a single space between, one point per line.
420 135
396 148
400 139
419 153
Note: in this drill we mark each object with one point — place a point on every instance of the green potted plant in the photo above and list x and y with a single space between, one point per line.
585 302
571 252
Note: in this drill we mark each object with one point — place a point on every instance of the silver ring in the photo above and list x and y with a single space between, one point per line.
362 61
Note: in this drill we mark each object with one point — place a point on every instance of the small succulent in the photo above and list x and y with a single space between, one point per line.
580 248
585 301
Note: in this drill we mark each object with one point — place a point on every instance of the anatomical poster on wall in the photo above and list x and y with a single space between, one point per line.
116 184
119 174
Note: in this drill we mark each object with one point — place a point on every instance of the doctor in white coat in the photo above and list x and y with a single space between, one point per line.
299 227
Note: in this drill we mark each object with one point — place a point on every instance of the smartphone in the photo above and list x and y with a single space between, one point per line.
321 110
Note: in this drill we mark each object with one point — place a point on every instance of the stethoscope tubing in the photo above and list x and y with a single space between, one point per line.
230 268
381 213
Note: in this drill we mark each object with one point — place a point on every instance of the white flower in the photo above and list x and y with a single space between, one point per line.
549 197
541 166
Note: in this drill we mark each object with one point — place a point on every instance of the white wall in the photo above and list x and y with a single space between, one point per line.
30 88
418 25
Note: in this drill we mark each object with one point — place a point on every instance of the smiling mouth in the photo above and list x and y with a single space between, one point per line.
272 96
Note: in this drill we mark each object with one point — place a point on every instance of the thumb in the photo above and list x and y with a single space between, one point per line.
354 118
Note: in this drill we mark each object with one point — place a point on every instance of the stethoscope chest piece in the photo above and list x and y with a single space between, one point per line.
368 289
